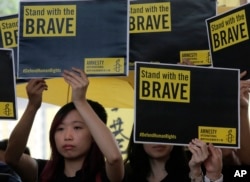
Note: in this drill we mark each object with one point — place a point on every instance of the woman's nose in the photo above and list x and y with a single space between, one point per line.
68 134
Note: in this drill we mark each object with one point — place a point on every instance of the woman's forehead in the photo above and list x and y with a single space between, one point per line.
73 117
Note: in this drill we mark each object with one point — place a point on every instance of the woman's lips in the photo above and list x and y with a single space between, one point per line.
68 147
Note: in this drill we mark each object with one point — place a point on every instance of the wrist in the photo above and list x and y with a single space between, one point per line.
195 170
196 177
31 107
213 176
217 179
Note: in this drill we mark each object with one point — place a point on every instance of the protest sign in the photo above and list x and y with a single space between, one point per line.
229 42
175 104
7 81
8 34
57 35
169 31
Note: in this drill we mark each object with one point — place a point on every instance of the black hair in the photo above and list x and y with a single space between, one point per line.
138 167
94 161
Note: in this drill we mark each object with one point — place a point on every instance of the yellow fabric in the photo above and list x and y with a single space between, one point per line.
109 91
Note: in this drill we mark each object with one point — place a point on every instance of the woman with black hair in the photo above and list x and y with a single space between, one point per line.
82 146
169 163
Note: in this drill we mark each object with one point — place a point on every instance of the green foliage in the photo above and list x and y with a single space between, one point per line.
8 7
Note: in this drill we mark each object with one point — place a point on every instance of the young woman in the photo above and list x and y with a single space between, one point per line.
156 163
168 163
83 148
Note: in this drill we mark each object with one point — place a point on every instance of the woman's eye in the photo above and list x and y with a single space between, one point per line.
77 127
59 129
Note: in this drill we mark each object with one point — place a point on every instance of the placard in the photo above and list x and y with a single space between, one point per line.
8 34
175 104
7 81
166 31
57 35
229 42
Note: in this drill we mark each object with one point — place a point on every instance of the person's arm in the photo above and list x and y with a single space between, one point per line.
199 155
208 155
24 164
244 151
213 165
100 132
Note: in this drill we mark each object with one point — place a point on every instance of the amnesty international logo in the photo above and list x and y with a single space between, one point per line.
217 135
113 65
6 109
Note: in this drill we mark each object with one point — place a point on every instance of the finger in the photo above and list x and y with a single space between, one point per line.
214 151
74 74
242 74
37 84
245 83
199 143
195 149
211 148
77 70
202 145
69 76
80 73
187 61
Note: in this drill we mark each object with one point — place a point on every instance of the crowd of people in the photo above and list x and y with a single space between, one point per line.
84 149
